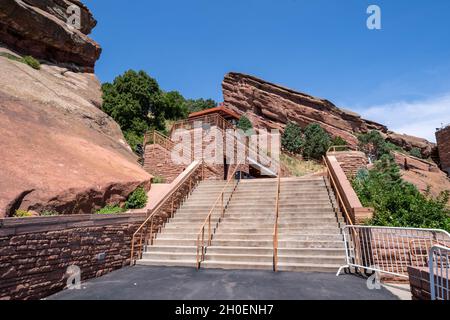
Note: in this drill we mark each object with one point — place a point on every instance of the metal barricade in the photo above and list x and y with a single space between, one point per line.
390 250
439 273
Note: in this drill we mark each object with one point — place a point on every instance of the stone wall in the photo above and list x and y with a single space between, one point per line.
443 141
350 161
36 252
419 279
158 162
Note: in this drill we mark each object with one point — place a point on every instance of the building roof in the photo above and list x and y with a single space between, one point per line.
224 112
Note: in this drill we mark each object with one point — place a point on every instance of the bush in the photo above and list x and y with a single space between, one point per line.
32 62
158 180
291 139
29 60
49 213
398 203
317 142
22 214
245 125
110 210
415 152
338 141
137 200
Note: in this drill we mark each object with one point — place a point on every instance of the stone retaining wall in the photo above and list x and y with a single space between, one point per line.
443 142
36 252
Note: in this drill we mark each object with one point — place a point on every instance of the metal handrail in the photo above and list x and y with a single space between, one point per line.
145 231
159 138
275 231
219 200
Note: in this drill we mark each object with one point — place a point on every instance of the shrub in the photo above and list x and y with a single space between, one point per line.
338 141
245 125
32 62
137 200
317 142
110 210
291 139
49 213
398 203
415 152
158 179
29 60
22 214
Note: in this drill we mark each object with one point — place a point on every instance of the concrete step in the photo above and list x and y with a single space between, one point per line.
237 265
314 259
323 252
248 257
171 249
168 263
170 256
308 267
269 237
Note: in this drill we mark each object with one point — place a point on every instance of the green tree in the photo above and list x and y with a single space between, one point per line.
317 142
244 124
292 140
175 106
398 203
135 101
200 104
374 145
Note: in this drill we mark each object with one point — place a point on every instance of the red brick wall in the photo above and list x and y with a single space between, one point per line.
158 162
443 141
36 252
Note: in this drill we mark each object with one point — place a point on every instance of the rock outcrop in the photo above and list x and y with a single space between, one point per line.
58 150
40 28
272 106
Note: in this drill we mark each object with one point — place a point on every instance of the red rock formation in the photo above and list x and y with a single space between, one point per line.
39 28
272 106
58 150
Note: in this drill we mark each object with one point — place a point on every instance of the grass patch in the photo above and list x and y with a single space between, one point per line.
111 210
298 167
28 60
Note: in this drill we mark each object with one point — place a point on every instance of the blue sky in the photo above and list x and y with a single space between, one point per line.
399 75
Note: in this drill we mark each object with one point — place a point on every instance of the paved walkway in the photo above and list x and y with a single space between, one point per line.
160 283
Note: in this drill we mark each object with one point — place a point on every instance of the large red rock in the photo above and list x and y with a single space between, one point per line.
39 28
58 150
272 106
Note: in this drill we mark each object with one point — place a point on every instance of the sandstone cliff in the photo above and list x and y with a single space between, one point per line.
58 150
39 28
272 106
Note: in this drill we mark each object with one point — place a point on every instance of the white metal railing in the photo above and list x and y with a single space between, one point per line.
390 250
439 259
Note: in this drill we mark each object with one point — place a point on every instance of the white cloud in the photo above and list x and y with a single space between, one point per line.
418 118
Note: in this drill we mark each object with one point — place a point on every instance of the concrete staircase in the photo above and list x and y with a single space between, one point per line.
176 244
310 236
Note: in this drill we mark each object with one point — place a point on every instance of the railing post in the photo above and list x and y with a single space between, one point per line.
209 231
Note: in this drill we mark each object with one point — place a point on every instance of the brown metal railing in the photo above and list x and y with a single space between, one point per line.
165 210
221 203
277 216
213 120
155 137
